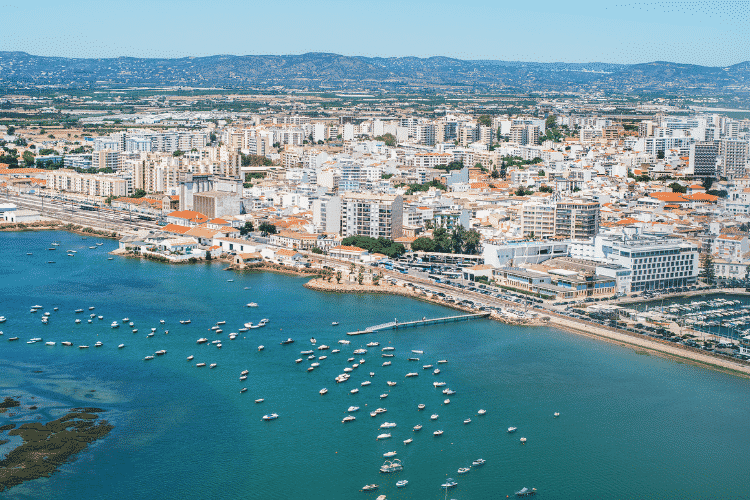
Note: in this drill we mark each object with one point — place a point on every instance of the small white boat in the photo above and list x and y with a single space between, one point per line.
386 363
200 365
202 340
79 311
260 400
448 392
417 352
323 391
467 421
438 384
147 358
298 360
523 440
420 406
229 281
114 325
511 430
446 401
478 462
261 347
464 470
436 371
481 412
121 346
185 321
100 317
243 377
556 414
3 319
360 351
78 321
83 347
417 427
336 350
366 382
373 344
98 344
441 361
426 367
244 389
434 416
403 482
66 343
348 418
49 343
383 436
383 396
390 454
343 341
149 335
244 372
252 304
388 425
161 321
335 323
412 374
388 349
437 433
370 487
391 384
270 416
354 391
407 441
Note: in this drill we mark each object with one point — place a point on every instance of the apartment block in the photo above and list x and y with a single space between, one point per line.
377 216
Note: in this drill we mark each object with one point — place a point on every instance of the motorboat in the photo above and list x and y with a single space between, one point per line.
413 359
437 433
261 347
310 368
383 436
348 418
270 416
381 410
426 367
412 374
100 317
243 377
441 361
391 466
365 383
446 401
121 346
449 392
523 440
417 427
259 400
322 358
131 324
66 343
305 353
511 430
388 348
525 492
98 344
79 311
125 320
252 304
243 330
323 391
49 343
390 454
343 342
372 374
481 412
434 416
212 365
386 363
388 425
373 344
83 347
335 323
383 396
200 365
350 360
244 389
464 470
354 391
323 347
370 487
436 371
202 340
420 406
556 414
449 483
352 409
114 325
478 462
348 369
185 321
467 421
161 352
298 360
287 342
387 355
391 384
78 322
147 358
407 441
12 339
417 352
161 321
336 350
149 335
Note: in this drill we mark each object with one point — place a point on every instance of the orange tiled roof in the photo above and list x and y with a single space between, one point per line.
669 197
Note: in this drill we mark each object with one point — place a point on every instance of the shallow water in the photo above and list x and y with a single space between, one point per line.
631 426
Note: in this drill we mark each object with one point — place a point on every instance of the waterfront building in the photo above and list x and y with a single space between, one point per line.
374 215
64 180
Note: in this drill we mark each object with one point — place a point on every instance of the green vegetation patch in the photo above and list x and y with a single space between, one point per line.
47 446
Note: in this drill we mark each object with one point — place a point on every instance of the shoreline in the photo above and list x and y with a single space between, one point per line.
666 350
56 225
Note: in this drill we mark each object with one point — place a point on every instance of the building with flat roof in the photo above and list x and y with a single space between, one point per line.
374 215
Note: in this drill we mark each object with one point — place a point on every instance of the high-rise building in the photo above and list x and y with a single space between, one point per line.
734 156
702 158
576 220
377 216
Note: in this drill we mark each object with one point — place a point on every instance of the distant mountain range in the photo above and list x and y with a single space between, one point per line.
337 72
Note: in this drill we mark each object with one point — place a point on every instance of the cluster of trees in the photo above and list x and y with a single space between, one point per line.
376 245
255 160
454 165
138 193
247 228
388 138
676 187
250 176
552 133
267 228
414 188
459 240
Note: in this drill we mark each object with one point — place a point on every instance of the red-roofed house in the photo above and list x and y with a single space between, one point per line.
187 218
731 246
348 253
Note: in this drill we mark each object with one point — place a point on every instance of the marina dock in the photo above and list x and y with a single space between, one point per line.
397 325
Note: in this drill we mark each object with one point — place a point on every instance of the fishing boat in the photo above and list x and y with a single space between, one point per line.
391 466
449 483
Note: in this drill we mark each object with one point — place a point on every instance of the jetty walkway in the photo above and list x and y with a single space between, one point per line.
397 325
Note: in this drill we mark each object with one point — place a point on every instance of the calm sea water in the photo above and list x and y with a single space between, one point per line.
631 425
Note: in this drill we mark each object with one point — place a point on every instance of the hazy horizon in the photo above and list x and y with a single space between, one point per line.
580 31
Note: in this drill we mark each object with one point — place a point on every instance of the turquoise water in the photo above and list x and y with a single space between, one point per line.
631 426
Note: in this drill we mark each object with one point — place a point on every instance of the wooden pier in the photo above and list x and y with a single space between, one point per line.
397 325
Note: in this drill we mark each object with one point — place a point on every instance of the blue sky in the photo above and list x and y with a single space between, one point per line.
699 32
